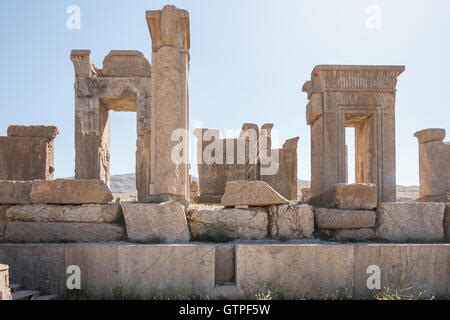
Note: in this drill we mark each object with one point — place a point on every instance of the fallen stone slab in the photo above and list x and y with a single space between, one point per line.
422 221
95 213
363 234
291 222
356 196
49 132
344 219
15 192
33 232
251 193
65 191
152 222
227 224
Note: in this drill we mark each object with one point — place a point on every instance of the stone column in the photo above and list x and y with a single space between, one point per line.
91 122
169 30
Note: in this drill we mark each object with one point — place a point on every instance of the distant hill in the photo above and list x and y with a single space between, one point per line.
126 184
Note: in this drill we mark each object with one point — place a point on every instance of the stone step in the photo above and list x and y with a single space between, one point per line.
24 295
15 287
48 297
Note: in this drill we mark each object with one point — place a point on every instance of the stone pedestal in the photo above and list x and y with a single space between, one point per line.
169 30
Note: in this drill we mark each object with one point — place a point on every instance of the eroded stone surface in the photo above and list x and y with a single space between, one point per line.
5 292
15 192
49 132
251 193
410 221
447 221
428 135
357 196
291 222
232 223
66 213
3 220
147 222
63 232
63 191
344 219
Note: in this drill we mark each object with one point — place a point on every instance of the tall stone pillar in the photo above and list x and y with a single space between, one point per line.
169 30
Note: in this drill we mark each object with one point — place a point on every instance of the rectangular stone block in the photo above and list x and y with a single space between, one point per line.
344 219
251 193
64 191
363 234
420 221
15 192
294 270
409 269
150 221
95 213
447 221
3 220
357 196
5 292
48 132
46 232
291 222
180 270
228 223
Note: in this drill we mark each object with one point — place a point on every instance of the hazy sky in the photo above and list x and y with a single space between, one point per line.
249 60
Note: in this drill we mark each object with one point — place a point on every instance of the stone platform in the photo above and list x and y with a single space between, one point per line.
295 269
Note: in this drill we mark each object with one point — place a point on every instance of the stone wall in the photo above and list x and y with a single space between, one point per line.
434 165
27 153
5 292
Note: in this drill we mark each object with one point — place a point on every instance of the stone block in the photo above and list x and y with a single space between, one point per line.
416 270
15 192
64 191
180 270
95 213
344 219
251 193
26 158
306 194
357 196
447 221
420 221
294 270
5 292
149 222
48 132
291 222
248 223
225 264
363 234
3 220
428 135
47 232
126 63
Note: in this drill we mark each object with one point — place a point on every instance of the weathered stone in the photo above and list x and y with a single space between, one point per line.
295 270
428 135
148 222
5 292
251 193
344 219
48 132
306 194
447 221
169 30
357 196
26 158
410 221
15 192
434 166
3 220
231 223
363 234
95 213
362 97
63 231
126 63
63 191
291 222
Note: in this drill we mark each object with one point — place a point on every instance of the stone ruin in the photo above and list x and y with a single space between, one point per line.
247 158
256 202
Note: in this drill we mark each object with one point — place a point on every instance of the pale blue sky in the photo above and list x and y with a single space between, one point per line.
249 59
